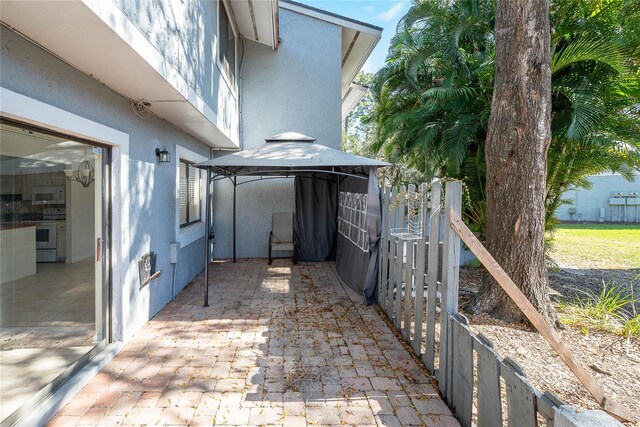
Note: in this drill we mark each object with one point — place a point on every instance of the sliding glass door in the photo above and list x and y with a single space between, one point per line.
54 251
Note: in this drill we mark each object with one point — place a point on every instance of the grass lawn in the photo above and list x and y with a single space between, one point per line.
601 246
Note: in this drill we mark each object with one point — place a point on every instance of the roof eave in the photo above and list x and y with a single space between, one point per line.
334 18
256 20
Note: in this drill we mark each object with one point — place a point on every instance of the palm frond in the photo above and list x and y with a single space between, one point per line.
456 140
600 51
586 114
449 93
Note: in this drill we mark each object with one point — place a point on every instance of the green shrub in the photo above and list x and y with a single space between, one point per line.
603 311
632 327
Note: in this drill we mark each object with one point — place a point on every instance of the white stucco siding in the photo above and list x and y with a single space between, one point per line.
185 33
295 88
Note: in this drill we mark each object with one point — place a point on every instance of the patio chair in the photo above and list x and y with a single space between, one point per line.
282 236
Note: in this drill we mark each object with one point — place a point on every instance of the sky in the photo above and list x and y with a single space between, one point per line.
383 13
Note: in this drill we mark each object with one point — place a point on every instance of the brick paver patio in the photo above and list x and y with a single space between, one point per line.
281 345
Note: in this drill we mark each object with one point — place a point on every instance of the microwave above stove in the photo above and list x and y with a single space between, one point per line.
53 195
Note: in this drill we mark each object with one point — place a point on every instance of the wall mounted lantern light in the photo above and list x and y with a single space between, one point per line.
163 155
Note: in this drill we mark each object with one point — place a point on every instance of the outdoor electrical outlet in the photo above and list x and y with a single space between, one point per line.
174 248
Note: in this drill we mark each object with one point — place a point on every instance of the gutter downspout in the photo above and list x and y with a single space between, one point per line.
240 97
206 239
235 186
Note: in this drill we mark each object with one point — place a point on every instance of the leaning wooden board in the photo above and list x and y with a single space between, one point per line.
536 318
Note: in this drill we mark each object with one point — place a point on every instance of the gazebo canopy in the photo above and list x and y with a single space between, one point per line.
286 154
291 154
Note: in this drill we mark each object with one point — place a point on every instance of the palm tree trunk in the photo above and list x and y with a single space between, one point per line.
518 139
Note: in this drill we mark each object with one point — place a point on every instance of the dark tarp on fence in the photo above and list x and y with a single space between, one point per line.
374 229
357 268
316 197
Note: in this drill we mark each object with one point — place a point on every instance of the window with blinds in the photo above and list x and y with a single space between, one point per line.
190 200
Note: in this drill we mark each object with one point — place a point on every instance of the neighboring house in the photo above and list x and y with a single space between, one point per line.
105 106
611 198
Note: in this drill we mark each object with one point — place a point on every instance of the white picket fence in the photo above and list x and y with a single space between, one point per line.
418 291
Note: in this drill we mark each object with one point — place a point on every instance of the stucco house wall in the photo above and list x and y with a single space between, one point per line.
588 202
295 88
29 70
185 34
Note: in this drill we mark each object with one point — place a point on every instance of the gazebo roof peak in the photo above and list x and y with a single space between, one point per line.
290 137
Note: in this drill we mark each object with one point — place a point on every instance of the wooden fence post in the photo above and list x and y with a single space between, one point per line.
384 250
397 317
393 247
408 277
432 274
419 278
450 275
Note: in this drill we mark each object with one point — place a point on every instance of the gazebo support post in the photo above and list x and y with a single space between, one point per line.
235 186
207 230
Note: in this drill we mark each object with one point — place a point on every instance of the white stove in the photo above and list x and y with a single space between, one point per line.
46 242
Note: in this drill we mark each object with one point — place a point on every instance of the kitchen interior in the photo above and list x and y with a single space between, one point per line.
51 308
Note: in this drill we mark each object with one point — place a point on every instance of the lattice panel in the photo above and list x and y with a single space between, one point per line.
352 219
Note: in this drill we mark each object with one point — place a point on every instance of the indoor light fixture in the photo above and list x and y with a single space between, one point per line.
84 174
163 155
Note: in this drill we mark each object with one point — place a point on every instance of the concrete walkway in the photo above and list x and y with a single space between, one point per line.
282 345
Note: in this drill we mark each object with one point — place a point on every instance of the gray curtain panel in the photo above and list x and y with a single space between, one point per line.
374 229
316 216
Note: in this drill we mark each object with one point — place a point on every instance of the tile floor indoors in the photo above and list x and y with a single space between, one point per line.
46 324
282 345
